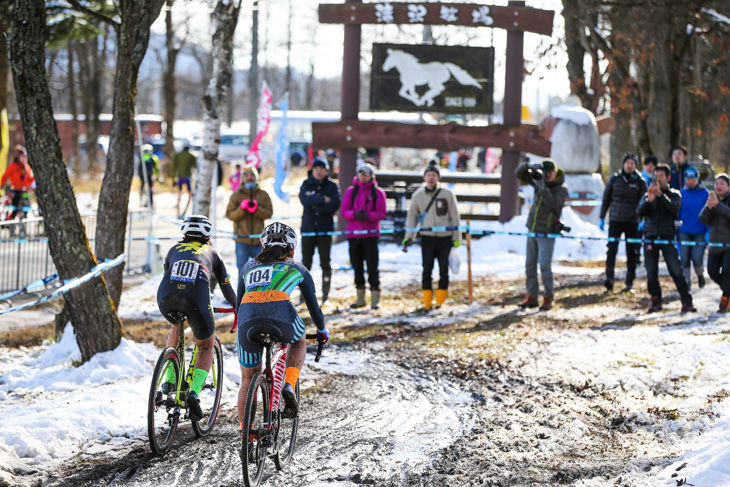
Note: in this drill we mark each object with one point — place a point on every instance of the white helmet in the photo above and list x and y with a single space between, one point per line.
147 148
197 226
280 235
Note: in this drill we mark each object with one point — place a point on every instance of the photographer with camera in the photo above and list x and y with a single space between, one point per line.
622 194
544 217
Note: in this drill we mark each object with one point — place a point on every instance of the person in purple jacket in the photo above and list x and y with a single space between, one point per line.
363 206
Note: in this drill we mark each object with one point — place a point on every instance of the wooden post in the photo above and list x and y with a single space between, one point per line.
468 262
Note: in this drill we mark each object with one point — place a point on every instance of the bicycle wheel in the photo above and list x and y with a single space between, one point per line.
255 422
210 394
286 437
162 413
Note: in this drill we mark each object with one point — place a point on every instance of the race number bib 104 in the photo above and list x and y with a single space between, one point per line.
261 276
184 270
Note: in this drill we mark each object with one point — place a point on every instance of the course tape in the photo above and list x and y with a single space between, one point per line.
29 287
70 284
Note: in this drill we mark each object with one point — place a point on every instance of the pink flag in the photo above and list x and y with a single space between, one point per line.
253 159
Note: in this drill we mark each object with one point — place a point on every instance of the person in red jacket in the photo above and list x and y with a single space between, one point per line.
19 177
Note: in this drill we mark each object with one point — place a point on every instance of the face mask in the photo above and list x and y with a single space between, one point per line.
250 185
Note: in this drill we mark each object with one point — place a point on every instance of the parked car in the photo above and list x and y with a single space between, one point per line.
233 147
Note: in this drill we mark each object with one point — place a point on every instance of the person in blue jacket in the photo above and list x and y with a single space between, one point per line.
320 197
692 232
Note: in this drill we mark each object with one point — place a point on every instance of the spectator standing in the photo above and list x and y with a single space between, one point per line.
19 177
621 196
331 158
249 207
679 165
434 206
550 195
182 170
716 214
650 163
363 206
235 179
692 232
660 207
320 197
148 174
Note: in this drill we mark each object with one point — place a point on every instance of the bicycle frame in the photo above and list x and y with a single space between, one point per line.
275 375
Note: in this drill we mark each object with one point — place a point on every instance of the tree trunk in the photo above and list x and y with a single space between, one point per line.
169 83
253 75
4 64
98 54
72 106
132 39
576 52
224 20
94 317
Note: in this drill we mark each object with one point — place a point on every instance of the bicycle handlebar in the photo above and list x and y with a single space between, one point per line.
228 310
320 345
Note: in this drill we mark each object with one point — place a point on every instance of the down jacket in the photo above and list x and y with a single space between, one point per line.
318 216
718 218
661 213
363 201
548 203
245 223
621 196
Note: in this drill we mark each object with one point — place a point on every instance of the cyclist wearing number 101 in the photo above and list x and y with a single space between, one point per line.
265 307
185 289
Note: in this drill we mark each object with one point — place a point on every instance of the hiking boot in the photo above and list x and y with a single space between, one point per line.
529 302
168 387
724 305
196 414
656 304
291 408
360 301
547 303
608 283
701 280
628 288
688 308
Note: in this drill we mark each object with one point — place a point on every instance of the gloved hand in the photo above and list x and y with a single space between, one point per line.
641 225
250 205
539 183
457 244
361 215
323 335
407 241
602 225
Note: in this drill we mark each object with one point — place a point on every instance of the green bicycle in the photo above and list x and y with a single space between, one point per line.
166 407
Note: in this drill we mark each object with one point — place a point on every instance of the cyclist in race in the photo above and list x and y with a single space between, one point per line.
265 306
20 178
185 289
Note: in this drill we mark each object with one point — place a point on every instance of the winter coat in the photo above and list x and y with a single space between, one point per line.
661 213
183 163
621 195
677 180
693 200
548 203
318 216
647 177
718 218
244 222
363 201
152 167
19 175
444 212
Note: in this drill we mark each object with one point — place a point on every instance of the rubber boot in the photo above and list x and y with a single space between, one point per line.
375 299
326 278
440 297
427 298
688 277
360 302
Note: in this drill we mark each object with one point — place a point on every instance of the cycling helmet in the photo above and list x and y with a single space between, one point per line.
280 235
197 226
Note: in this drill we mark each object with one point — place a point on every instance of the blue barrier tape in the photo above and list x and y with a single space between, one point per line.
70 284
589 196
32 285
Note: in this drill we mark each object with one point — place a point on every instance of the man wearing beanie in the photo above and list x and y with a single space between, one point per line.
433 206
320 197
550 195
621 196
248 208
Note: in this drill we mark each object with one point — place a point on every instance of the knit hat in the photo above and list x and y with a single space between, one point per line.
319 162
434 168
724 176
252 170
366 168
549 165
691 173
631 156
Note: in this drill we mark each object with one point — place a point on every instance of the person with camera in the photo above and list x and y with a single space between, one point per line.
660 207
544 217
622 194
716 214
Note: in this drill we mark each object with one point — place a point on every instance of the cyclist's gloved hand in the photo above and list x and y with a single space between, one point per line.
323 335
457 244
602 225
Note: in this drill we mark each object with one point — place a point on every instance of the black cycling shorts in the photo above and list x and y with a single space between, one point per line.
192 300
277 318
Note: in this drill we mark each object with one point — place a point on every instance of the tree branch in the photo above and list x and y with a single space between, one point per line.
98 16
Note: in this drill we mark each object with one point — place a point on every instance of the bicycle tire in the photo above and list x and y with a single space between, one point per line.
286 437
255 422
162 417
210 394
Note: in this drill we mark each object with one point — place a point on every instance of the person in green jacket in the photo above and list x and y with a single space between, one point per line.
182 170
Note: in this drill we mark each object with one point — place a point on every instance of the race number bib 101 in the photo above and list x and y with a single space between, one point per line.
261 276
184 270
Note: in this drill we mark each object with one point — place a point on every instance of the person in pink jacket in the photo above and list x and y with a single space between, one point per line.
363 206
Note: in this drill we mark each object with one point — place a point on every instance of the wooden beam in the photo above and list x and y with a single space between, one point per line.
463 14
351 134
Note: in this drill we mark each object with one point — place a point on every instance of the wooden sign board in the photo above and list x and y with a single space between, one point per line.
463 14
414 78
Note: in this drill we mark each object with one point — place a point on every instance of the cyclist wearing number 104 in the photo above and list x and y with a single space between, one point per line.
265 307
185 289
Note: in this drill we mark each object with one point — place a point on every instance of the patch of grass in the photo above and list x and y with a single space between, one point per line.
28 337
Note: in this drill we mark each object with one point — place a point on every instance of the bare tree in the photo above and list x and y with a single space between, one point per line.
173 45
94 317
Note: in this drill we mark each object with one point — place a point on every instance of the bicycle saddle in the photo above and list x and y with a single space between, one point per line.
177 316
266 339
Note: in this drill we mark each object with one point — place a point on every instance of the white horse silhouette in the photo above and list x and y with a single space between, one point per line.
413 74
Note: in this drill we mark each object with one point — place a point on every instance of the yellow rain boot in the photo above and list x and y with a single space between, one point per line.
440 297
427 297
